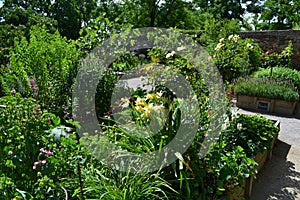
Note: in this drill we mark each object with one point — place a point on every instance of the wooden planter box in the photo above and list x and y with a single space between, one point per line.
245 191
266 104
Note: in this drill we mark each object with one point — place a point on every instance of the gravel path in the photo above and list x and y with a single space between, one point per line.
280 177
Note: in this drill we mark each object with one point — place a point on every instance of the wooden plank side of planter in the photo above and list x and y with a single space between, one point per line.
275 106
284 107
245 101
261 158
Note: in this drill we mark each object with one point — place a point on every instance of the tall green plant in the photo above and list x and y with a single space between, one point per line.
43 67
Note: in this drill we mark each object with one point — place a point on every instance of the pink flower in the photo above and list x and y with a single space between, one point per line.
13 91
34 167
37 162
49 153
44 161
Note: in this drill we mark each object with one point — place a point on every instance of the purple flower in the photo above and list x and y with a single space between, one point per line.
32 81
35 88
35 94
13 91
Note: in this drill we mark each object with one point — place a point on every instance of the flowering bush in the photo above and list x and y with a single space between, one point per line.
23 133
273 59
236 57
43 67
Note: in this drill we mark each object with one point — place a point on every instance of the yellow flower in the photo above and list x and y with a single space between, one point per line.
219 46
155 59
221 40
140 102
150 96
148 109
139 108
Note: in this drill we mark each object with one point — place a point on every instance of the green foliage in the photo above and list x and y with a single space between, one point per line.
67 16
44 68
23 132
109 184
280 73
236 57
279 15
253 133
214 29
282 59
261 87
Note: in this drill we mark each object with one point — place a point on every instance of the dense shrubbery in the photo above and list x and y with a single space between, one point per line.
281 74
44 67
43 159
236 57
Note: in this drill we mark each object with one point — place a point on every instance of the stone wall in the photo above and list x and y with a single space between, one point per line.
277 40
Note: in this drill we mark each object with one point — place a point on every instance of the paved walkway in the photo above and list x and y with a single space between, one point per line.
280 177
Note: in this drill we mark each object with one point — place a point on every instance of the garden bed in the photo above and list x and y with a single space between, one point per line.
266 104
245 190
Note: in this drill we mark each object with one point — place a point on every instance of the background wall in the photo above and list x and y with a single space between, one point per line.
277 40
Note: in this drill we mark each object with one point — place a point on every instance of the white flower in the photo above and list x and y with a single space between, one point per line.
234 37
226 123
180 48
125 102
234 114
249 46
239 126
158 107
160 93
170 54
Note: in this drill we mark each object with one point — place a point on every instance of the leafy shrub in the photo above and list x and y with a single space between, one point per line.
266 88
23 131
231 159
277 59
236 57
49 61
280 73
254 133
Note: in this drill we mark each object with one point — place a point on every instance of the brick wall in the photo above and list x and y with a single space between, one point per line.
277 40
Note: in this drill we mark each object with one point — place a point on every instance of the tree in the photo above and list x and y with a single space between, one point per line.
69 15
157 13
228 9
281 14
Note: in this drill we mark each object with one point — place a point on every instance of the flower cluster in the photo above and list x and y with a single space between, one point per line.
220 44
142 107
236 57
34 87
40 162
234 37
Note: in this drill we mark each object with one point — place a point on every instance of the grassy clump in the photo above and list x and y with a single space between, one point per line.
268 88
282 74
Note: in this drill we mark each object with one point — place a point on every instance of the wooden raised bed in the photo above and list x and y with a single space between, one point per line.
266 104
